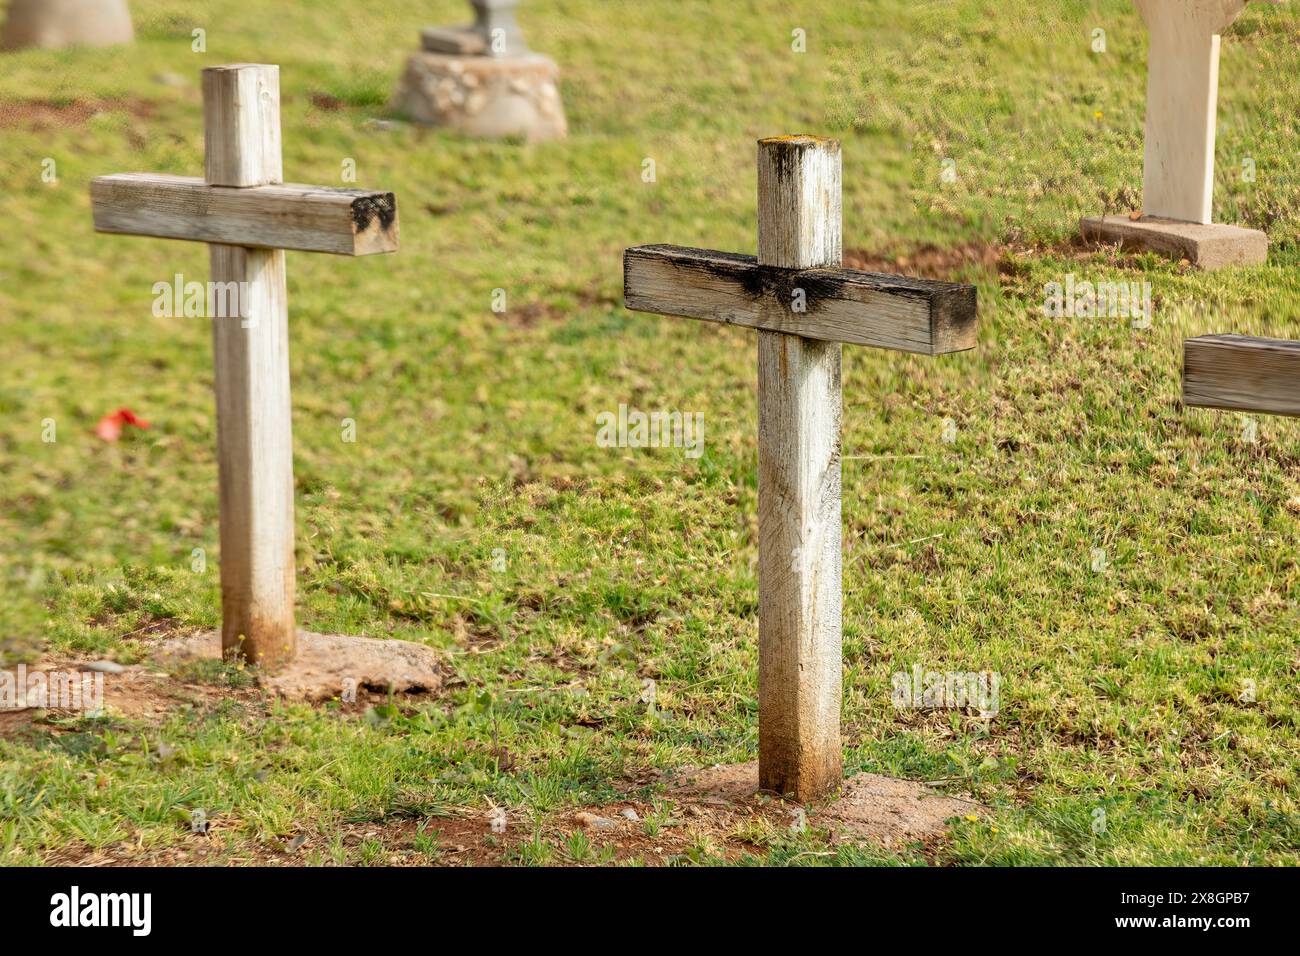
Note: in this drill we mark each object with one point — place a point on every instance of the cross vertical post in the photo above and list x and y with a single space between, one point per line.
251 352
799 483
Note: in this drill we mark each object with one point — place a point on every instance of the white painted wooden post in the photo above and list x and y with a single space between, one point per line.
1182 104
251 352
799 483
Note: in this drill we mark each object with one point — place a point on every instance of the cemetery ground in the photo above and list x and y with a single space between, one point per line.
1041 507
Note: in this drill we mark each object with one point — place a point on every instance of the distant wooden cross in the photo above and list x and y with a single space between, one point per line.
250 218
1181 122
804 305
1242 373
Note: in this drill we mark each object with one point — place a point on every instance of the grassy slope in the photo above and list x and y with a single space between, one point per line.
476 432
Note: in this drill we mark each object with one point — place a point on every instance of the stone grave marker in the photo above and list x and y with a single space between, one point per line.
482 80
61 23
1178 162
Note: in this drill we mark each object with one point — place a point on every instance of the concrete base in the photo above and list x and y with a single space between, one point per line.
490 97
328 666
1207 247
60 23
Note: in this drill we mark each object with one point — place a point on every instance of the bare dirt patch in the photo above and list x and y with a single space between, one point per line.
869 808
187 672
137 692
50 114
931 262
951 263
328 664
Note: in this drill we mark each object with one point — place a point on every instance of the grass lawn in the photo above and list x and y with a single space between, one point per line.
474 511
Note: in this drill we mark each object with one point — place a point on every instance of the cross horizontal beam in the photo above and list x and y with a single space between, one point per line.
838 305
1242 373
345 222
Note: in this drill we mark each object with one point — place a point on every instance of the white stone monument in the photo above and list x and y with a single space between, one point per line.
60 23
482 80
1178 167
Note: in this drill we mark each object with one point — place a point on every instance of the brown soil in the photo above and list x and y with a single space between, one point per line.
870 808
717 808
48 114
138 693
326 664
952 263
930 262
149 692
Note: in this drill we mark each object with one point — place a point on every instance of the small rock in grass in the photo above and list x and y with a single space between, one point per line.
105 667
497 820
296 843
628 813
593 822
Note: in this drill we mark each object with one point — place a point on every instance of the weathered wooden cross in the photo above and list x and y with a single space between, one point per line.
804 305
1242 373
250 218
1181 122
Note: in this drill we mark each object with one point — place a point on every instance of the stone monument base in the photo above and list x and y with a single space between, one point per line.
1205 246
491 97
60 23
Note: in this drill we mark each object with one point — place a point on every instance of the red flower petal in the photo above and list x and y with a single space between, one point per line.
110 426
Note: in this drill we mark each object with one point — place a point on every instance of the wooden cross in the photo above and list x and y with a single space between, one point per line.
804 305
1242 373
250 218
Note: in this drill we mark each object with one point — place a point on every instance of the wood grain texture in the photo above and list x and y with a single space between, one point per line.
255 459
1182 104
254 416
1242 373
799 557
241 125
841 305
346 222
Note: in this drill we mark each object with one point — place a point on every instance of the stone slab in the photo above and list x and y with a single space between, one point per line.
1205 246
461 41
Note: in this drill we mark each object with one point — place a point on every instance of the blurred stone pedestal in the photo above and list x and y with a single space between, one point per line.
60 23
1206 246
492 97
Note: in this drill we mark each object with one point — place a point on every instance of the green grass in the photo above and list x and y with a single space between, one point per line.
475 434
